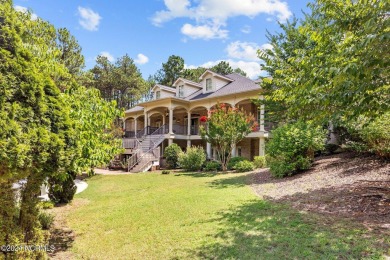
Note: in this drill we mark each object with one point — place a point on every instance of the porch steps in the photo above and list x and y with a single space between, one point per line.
146 154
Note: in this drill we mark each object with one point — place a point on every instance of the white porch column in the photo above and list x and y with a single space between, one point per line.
208 150
208 145
145 119
234 150
124 124
261 146
170 141
189 123
135 124
262 118
163 116
170 120
188 143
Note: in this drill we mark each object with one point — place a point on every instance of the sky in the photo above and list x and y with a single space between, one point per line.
202 32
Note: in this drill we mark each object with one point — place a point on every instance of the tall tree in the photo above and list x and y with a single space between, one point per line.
335 64
71 55
171 70
36 138
223 68
121 81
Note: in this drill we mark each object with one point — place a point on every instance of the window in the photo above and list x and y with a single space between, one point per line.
158 94
181 91
209 84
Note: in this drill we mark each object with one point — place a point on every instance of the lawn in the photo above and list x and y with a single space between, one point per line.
200 215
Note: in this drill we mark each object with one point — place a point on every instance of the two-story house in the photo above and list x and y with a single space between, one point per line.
173 116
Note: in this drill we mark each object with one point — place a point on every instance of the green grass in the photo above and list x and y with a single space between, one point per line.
187 216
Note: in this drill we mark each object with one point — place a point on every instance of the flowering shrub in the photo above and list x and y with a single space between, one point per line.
203 119
226 126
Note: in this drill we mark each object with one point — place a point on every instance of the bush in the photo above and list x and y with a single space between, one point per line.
62 188
376 136
292 147
233 161
213 166
193 159
260 162
165 172
244 166
46 204
171 154
46 220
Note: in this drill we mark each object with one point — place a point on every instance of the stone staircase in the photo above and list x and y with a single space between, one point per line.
147 151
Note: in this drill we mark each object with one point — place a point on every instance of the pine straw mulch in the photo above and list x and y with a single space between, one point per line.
341 186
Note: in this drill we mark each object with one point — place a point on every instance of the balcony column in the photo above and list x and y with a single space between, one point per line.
145 119
124 124
135 125
171 121
208 150
262 118
189 123
261 146
208 145
234 150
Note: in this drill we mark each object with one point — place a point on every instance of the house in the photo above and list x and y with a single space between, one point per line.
172 116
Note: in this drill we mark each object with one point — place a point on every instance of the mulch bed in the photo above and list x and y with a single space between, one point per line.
347 186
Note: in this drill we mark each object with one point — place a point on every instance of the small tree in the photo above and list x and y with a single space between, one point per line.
225 127
171 154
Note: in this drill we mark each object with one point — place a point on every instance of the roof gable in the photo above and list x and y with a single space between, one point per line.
214 74
166 88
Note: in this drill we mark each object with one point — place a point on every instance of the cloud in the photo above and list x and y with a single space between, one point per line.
108 55
246 29
251 68
141 59
89 19
203 32
245 50
215 13
24 10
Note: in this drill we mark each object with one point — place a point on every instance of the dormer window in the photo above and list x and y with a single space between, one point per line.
158 94
181 91
209 85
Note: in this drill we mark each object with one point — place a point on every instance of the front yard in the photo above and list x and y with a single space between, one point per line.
199 215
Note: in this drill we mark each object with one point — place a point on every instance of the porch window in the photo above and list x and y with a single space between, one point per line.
158 94
209 84
181 91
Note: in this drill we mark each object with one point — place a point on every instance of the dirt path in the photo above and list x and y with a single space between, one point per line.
61 236
343 186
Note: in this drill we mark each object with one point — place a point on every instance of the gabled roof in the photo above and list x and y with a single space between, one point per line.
215 75
170 89
239 84
189 82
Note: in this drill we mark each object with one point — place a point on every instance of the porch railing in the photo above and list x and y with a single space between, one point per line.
130 143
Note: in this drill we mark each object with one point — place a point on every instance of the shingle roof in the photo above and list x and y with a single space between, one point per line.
135 109
239 84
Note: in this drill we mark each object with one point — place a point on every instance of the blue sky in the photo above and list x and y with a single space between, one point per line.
203 32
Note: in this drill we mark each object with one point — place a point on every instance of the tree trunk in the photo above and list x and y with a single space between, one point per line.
9 232
29 211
